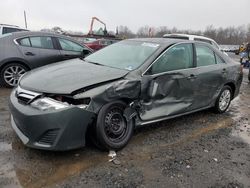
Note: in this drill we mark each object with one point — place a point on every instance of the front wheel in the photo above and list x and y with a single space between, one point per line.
113 131
224 99
11 73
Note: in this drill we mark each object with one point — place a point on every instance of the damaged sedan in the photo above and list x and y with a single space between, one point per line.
128 84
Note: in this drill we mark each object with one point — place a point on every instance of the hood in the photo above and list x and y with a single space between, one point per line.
68 76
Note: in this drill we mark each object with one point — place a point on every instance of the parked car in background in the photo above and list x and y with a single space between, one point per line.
99 43
23 51
5 29
109 93
195 38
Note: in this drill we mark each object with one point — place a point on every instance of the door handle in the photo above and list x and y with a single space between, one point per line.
29 54
192 76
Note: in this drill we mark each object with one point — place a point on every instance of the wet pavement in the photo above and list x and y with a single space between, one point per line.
198 150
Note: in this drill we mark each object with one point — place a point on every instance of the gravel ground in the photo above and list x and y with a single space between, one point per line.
198 150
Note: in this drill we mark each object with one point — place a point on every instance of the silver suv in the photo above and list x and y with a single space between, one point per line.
4 29
193 37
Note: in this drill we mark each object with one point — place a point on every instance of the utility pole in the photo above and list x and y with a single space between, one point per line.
25 19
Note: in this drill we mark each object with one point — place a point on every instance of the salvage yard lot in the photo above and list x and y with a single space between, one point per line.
198 150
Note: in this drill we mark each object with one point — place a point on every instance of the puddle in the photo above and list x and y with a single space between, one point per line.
48 173
240 111
8 175
29 168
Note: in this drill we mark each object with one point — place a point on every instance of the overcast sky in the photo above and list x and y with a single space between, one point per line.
76 14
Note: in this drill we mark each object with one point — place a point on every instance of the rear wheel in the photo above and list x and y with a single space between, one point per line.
223 100
11 73
113 131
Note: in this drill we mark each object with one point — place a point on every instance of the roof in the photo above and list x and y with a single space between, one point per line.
188 35
8 25
34 33
21 34
158 40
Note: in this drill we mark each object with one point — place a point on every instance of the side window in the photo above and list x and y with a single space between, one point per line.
70 46
41 42
204 56
219 60
24 42
175 58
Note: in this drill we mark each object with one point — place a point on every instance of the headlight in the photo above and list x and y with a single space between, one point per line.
48 104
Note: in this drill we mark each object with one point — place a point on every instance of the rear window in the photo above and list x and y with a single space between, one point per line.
219 60
36 42
41 42
205 56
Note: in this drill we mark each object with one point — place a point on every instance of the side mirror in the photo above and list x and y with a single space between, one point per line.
85 53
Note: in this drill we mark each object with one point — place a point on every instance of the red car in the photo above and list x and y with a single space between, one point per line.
99 43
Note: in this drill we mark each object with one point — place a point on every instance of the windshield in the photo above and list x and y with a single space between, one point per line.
127 55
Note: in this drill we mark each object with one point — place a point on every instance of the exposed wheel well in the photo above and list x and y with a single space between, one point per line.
126 100
19 62
232 86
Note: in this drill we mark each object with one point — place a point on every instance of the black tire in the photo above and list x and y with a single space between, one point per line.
113 131
219 108
92 138
4 81
249 75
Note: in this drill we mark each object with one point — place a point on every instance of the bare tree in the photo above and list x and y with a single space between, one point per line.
125 32
144 31
227 35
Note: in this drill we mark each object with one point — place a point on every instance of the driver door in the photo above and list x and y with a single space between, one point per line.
70 49
171 82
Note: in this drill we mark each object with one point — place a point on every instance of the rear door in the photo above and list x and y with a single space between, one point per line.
170 90
211 73
70 49
39 50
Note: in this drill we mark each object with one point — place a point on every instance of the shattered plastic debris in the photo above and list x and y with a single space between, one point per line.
112 155
215 159
205 150
188 166
116 162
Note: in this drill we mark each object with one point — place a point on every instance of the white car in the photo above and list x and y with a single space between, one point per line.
194 37
4 29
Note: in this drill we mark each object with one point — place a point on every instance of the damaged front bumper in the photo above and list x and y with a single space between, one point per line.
62 129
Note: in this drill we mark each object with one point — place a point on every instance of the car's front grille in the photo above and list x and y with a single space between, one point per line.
25 96
48 138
